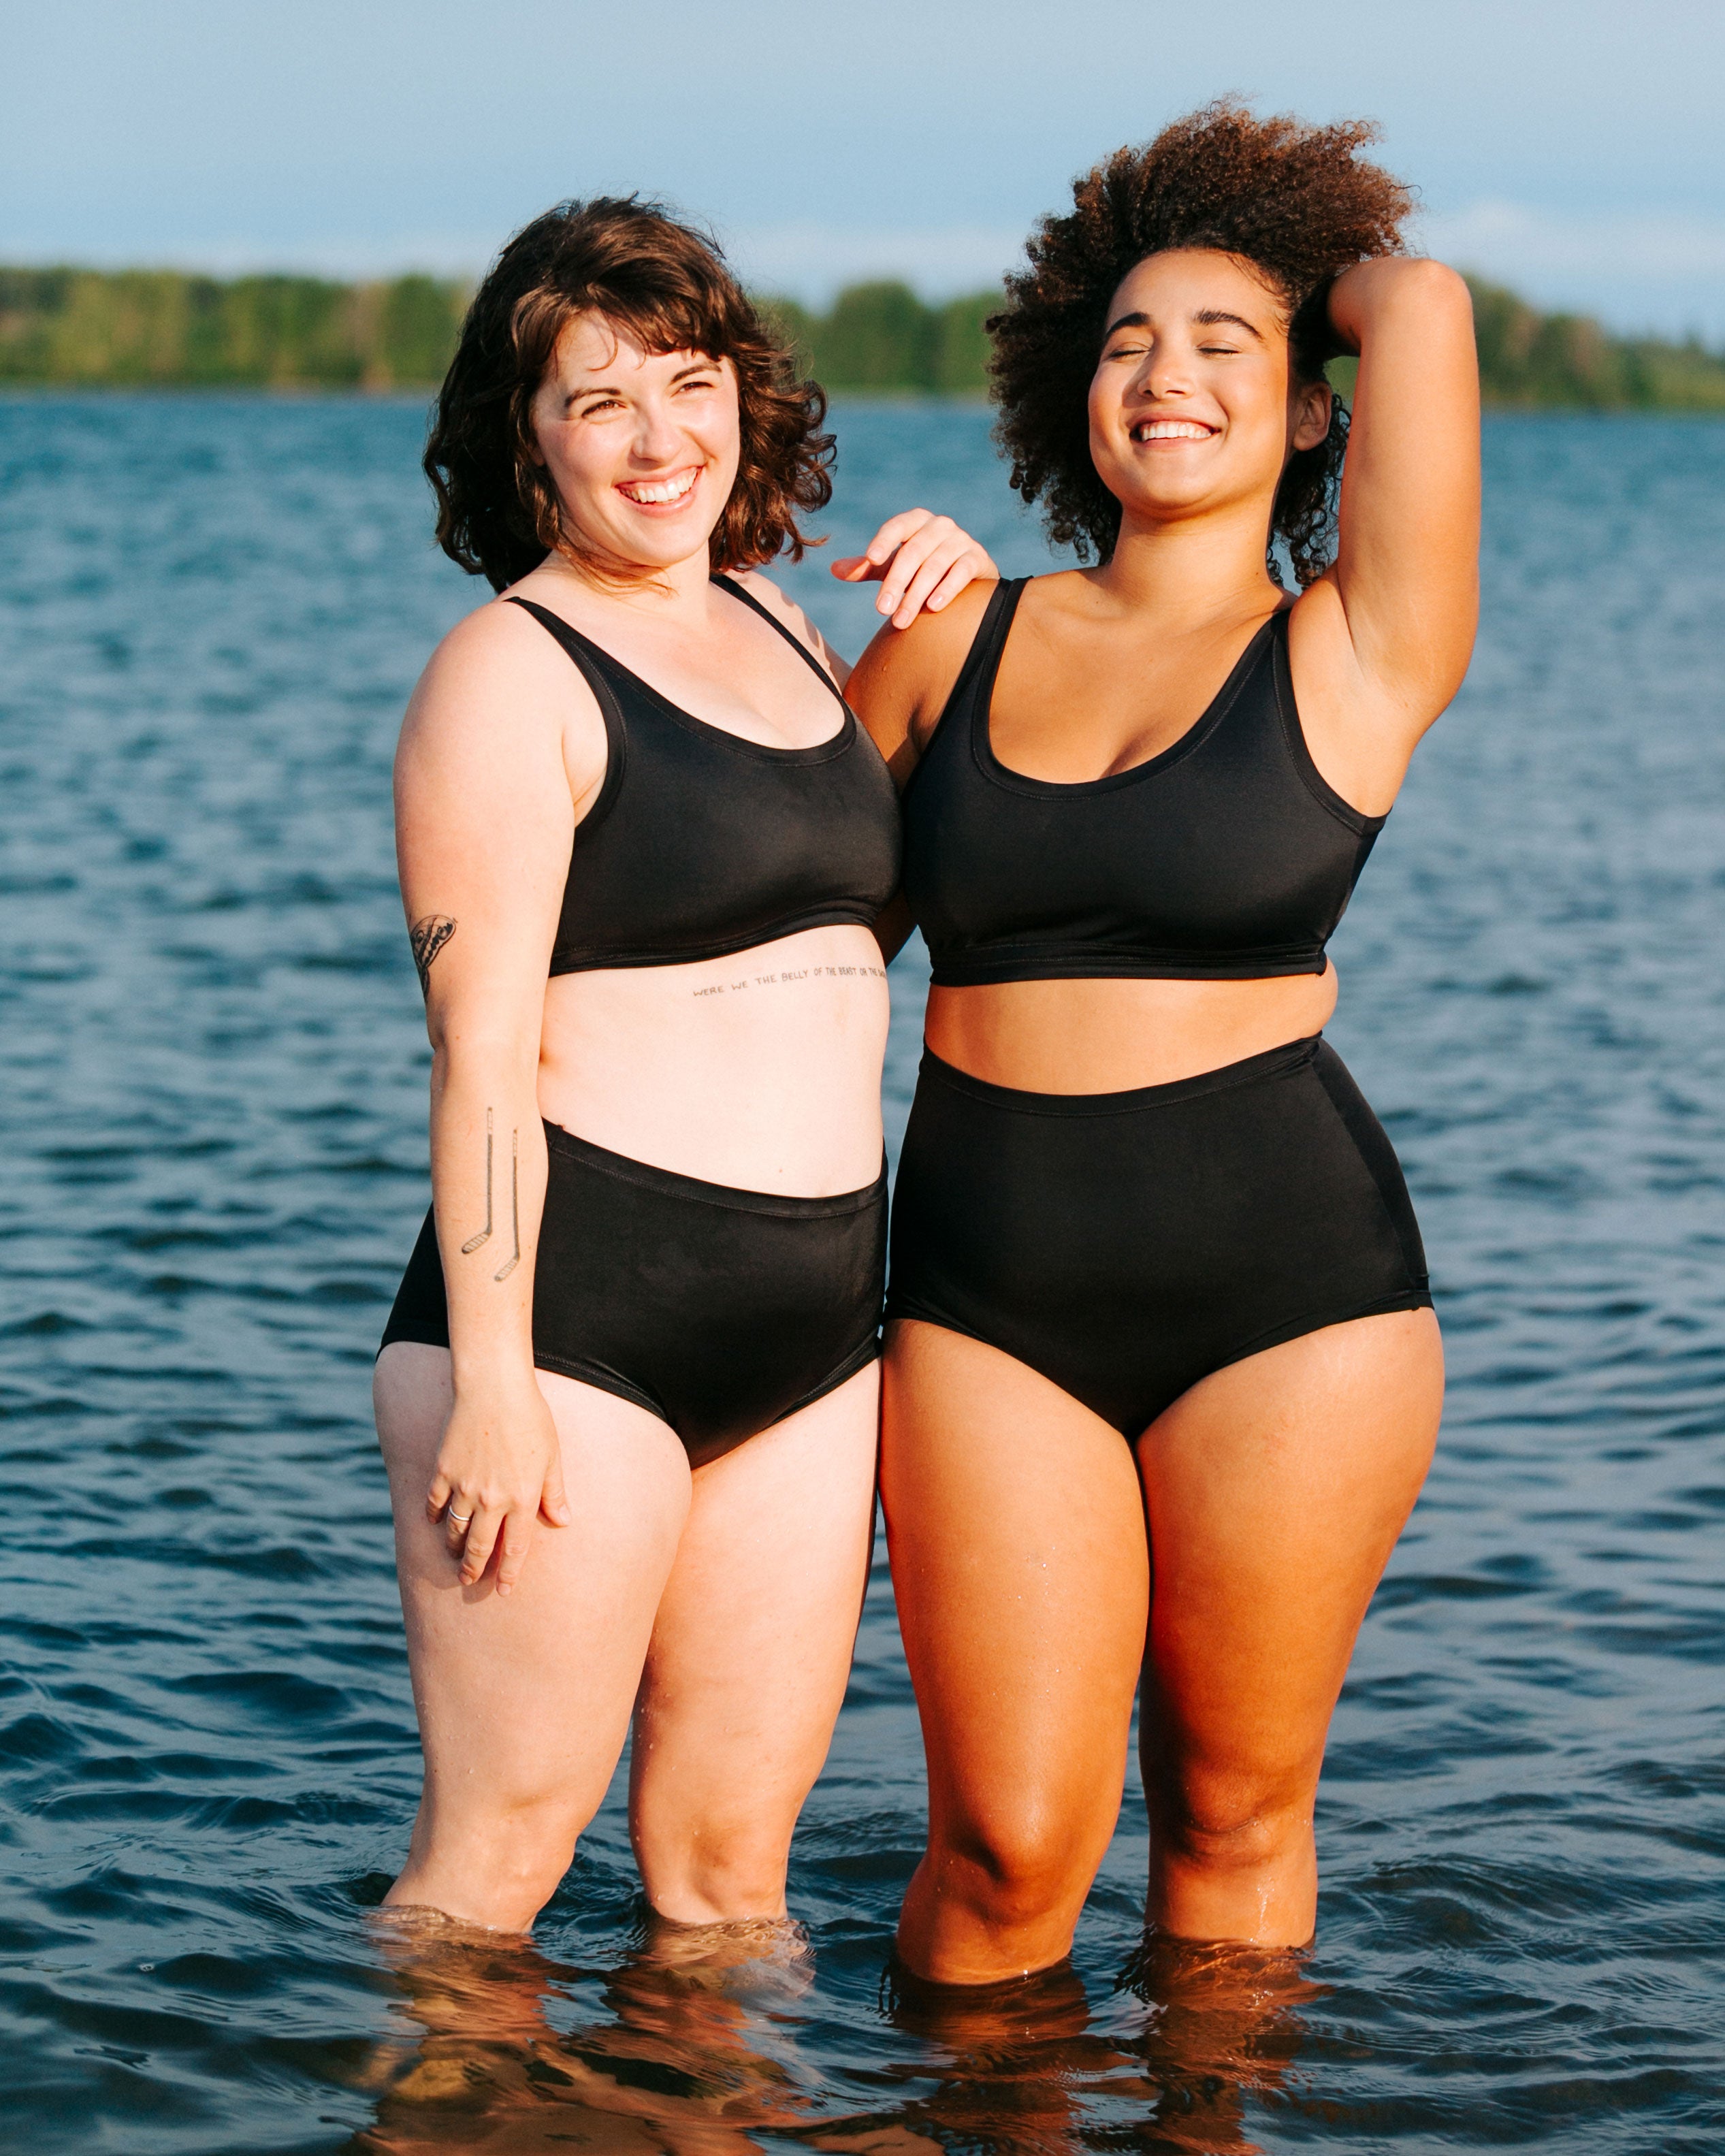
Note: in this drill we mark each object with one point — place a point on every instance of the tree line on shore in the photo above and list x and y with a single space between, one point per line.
76 328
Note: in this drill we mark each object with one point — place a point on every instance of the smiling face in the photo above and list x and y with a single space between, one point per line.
641 447
1193 407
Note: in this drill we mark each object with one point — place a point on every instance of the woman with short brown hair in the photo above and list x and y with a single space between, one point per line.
641 845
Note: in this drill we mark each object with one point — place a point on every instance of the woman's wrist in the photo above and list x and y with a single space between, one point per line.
490 1369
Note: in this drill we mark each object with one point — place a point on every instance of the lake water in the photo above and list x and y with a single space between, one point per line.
212 1111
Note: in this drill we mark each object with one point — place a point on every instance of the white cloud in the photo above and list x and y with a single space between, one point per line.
1637 270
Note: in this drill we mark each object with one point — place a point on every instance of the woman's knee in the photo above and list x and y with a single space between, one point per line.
527 1835
1019 1867
726 1864
1231 1821
717 1886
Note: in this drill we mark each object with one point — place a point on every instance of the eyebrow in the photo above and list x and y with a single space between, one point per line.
607 389
1208 317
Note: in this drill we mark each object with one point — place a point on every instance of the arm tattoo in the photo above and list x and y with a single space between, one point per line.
473 1242
509 1264
427 935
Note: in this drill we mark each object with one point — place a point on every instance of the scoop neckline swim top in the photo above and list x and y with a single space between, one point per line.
818 752
1208 720
1227 855
701 843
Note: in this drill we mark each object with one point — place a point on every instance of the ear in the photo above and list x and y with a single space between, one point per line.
1312 403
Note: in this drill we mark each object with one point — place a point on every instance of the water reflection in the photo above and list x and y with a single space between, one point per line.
1020 2068
1032 2067
690 2048
680 2058
1224 2024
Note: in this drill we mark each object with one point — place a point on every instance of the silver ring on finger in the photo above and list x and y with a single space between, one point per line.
461 1519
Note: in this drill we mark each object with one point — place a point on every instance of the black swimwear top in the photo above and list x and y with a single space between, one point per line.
701 843
1225 858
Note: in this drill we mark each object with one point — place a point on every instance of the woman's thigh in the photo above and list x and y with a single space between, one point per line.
750 1656
1016 1530
525 1699
1275 1489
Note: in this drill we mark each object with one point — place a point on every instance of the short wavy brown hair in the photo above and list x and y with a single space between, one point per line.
1296 203
669 286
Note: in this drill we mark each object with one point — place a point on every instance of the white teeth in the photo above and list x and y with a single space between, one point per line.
1171 430
670 490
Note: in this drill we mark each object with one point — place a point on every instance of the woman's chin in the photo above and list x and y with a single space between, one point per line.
650 544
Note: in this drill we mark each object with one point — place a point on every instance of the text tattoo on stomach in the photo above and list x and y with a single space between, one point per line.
792 975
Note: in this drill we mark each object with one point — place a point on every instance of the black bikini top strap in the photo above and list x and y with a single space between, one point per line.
772 621
586 657
982 662
586 654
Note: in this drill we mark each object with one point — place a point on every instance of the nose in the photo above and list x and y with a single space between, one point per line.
1164 374
657 437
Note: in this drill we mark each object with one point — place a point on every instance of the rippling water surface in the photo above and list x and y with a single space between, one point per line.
212 1107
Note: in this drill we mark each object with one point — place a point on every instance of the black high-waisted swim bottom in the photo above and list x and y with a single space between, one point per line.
1126 1245
720 1310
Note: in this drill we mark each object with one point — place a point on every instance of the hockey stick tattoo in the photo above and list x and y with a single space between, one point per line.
473 1242
505 1269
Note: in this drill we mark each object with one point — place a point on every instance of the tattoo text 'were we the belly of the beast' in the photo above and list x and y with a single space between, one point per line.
792 975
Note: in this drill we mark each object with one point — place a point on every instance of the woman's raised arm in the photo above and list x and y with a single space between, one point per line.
1407 566
485 795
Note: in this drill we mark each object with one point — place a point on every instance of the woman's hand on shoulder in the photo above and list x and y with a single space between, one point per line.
923 561
1403 592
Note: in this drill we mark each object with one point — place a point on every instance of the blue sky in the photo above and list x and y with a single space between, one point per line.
1577 150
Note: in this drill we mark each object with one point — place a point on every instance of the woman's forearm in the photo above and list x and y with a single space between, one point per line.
488 1170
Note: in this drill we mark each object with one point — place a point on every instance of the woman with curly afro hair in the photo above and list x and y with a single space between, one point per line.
1140 1196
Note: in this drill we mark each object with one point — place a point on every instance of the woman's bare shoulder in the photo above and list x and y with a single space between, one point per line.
903 680
497 673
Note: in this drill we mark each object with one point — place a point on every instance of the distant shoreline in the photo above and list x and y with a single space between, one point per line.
417 396
69 329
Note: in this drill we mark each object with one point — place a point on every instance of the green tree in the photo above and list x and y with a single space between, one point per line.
961 344
416 332
877 336
162 328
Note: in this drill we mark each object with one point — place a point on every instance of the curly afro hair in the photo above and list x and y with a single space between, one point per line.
666 284
1294 202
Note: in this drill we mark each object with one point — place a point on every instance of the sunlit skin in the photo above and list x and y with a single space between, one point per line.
713 1608
1274 1490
